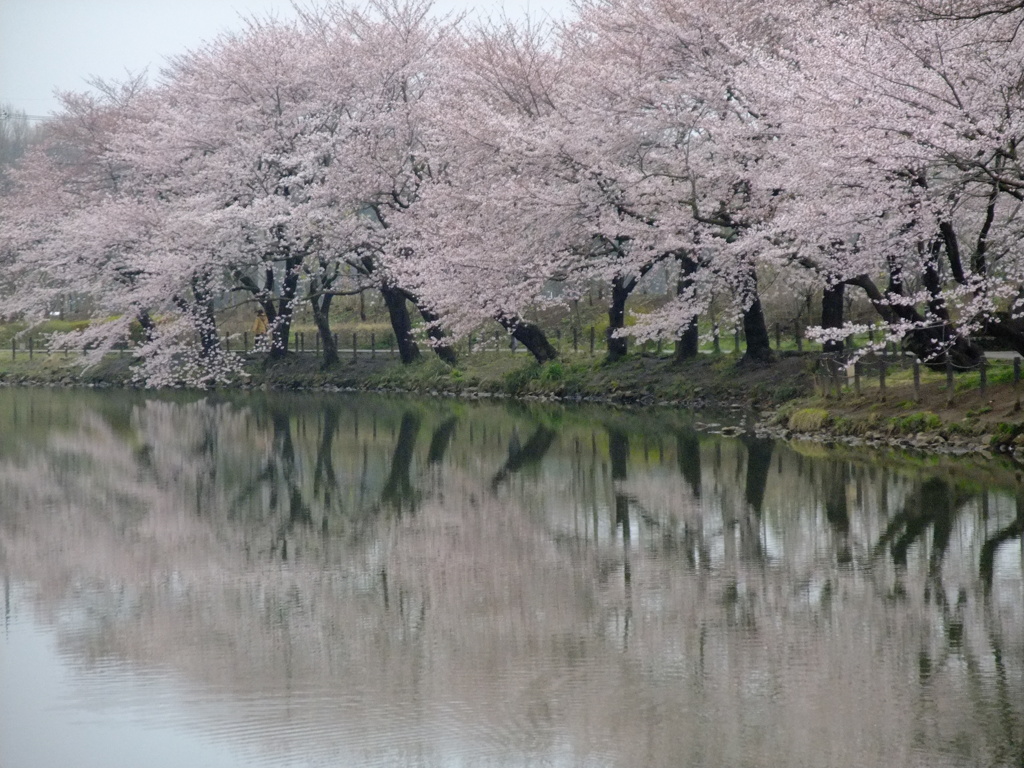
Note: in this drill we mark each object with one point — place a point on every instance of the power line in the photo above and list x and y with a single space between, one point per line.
7 115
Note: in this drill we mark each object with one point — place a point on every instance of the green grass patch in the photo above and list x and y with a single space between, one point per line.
808 420
921 421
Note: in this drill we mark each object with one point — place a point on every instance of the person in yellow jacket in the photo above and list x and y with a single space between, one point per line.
259 324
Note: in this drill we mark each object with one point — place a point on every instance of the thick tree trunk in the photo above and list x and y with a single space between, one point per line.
444 351
932 343
531 337
688 343
398 311
321 318
832 315
200 312
281 325
618 346
759 345
209 339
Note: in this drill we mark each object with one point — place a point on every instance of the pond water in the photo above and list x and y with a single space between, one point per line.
342 580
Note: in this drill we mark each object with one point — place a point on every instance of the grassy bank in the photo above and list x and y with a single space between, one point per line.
637 379
930 414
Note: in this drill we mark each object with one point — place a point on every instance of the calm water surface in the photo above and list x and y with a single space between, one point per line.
369 581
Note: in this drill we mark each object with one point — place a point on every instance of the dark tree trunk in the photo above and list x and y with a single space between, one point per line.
321 318
832 315
618 346
931 344
759 345
688 343
200 311
281 325
398 311
444 351
531 337
208 336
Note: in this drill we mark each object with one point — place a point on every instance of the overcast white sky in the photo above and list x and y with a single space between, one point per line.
46 45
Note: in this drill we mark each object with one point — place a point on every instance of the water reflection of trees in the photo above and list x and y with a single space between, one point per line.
554 555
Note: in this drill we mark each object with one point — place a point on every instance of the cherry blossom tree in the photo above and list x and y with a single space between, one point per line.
898 132
480 238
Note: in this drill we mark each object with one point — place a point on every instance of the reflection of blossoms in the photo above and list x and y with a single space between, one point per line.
632 571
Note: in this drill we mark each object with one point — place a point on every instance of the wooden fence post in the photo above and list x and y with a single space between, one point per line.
1016 383
14 348
591 341
30 350
373 344
949 380
355 341
917 380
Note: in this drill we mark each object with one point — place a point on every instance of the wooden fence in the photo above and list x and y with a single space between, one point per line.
835 377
